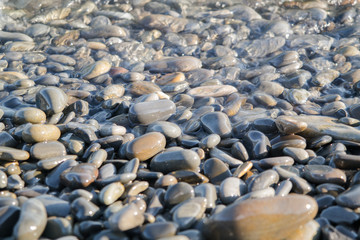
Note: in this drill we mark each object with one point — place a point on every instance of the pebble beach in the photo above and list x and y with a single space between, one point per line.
179 119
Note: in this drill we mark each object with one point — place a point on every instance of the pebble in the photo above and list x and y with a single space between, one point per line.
41 133
32 220
51 100
150 112
146 146
79 176
238 220
29 115
175 160
212 91
127 218
49 149
217 123
11 154
178 64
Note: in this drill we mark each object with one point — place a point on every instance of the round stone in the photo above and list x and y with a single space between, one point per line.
50 149
29 115
324 174
41 133
178 193
169 129
146 146
96 69
127 218
11 154
110 193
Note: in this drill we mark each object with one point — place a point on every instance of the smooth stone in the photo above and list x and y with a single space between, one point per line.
325 201
274 161
346 161
158 230
263 180
239 151
111 92
150 112
148 91
175 160
41 133
11 154
257 144
109 234
51 100
110 193
96 69
29 115
3 180
50 163
127 218
83 209
231 189
225 157
298 154
216 170
324 174
243 169
32 220
54 206
210 141
187 213
280 142
349 198
301 186
212 91
284 214
8 201
146 146
189 176
339 215
49 149
169 129
283 188
110 130
79 176
9 215
165 181
322 125
217 123
208 191
178 193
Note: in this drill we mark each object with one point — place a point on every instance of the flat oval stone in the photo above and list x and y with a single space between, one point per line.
110 193
275 161
11 154
339 215
176 64
104 31
51 100
8 218
212 91
48 149
283 214
79 176
150 112
146 146
29 115
41 133
32 221
217 123
288 125
127 218
169 129
96 69
350 198
324 174
186 213
175 160
298 154
164 23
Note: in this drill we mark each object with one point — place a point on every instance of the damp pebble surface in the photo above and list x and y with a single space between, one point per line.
179 119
